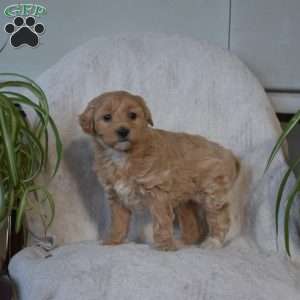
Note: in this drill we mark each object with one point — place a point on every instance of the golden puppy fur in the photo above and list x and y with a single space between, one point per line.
168 173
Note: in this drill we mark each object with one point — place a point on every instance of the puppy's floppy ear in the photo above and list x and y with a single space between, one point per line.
146 110
86 119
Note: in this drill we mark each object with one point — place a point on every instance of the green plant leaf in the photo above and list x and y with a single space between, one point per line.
13 115
25 160
58 144
23 203
42 100
24 148
9 147
290 200
21 208
291 124
30 85
40 112
30 81
281 190
3 203
49 199
11 199
39 156
1 152
44 117
46 146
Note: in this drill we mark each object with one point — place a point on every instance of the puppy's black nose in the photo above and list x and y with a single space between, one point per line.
122 132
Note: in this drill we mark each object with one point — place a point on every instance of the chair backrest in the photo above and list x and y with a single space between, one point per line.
189 86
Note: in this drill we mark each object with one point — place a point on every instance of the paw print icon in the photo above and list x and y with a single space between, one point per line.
24 31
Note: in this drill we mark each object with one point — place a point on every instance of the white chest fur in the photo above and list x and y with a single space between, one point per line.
126 193
127 189
129 193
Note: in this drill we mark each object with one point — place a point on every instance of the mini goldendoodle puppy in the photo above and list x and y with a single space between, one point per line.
163 171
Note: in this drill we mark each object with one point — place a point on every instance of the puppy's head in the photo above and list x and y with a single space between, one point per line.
118 118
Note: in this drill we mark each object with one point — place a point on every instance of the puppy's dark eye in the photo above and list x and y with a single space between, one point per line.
132 115
107 117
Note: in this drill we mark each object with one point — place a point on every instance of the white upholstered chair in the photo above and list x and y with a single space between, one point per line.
189 86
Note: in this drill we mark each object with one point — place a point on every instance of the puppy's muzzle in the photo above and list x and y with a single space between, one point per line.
122 133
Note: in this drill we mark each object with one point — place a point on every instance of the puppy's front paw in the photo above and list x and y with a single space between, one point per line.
110 242
166 246
211 243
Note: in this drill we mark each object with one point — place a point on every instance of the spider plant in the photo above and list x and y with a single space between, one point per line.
292 196
24 150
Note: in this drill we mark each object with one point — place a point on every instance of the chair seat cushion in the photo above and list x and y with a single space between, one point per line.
89 271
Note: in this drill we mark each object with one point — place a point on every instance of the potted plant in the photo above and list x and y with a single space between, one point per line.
23 157
296 188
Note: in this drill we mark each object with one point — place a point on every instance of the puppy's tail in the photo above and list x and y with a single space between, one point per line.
237 199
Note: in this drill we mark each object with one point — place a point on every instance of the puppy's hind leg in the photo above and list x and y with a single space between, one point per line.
163 217
218 221
191 230
226 214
